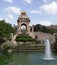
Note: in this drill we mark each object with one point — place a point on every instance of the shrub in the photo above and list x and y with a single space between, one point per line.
24 38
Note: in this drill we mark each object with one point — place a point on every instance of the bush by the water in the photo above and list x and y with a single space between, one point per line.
25 38
8 45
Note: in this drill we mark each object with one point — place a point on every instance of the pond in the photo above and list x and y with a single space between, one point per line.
25 58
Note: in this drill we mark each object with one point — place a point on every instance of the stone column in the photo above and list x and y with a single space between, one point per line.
32 28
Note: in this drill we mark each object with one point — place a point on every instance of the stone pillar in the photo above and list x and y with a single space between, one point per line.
28 28
32 28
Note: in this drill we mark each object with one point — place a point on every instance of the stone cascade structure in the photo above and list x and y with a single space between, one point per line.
24 27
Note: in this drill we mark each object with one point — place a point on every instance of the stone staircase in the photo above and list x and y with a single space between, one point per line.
29 48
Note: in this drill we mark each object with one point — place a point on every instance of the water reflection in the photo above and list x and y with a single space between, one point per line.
24 58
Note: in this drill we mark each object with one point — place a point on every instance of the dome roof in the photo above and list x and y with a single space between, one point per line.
23 13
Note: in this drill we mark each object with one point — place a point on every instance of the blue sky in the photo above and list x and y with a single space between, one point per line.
39 11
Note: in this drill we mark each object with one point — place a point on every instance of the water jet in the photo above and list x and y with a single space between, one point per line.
48 53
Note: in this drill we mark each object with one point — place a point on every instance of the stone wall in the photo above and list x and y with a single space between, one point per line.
42 36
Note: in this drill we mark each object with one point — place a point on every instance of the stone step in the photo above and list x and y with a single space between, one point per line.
29 48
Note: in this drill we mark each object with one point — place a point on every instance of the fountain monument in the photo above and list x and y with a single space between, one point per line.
48 53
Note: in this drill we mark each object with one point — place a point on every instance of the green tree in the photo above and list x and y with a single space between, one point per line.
5 29
45 29
37 27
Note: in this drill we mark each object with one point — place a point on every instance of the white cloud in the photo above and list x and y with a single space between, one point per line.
7 20
10 1
13 9
46 23
1 18
35 12
11 12
28 1
45 1
10 16
50 8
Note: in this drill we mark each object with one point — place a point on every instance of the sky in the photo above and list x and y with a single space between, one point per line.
39 11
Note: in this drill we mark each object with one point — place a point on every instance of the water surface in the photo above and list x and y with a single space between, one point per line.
25 58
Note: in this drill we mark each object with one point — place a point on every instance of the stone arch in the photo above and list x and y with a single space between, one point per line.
23 19
23 27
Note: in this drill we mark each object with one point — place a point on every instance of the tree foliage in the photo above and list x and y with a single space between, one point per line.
5 29
45 29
